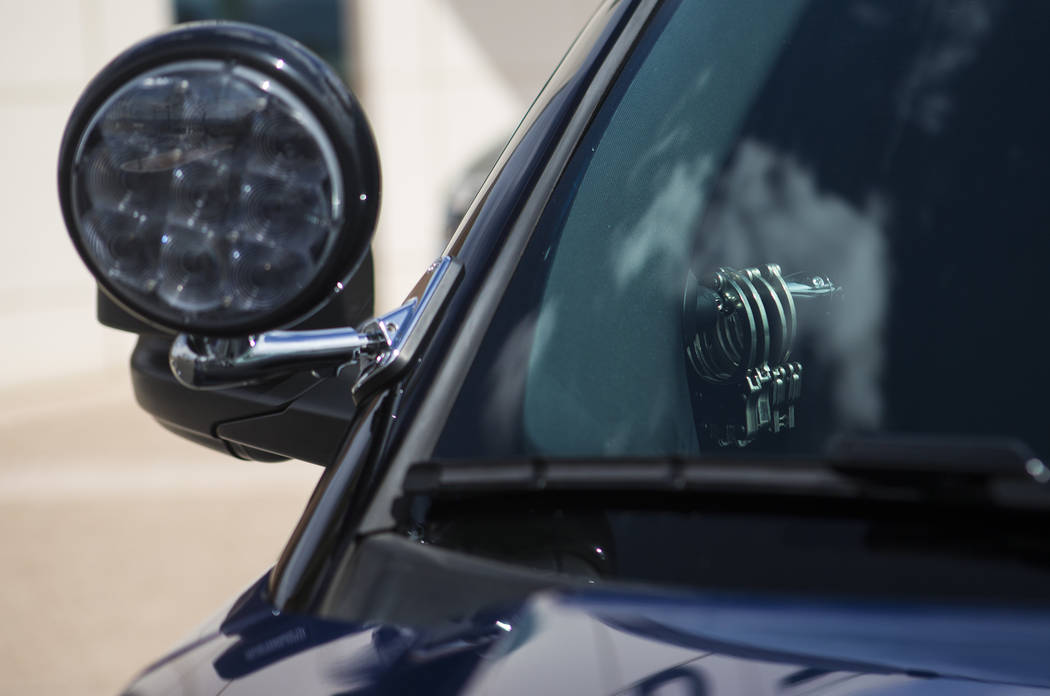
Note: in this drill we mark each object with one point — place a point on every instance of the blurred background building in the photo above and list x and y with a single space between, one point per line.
444 82
117 538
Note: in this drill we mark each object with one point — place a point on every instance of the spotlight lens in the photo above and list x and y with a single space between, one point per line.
206 193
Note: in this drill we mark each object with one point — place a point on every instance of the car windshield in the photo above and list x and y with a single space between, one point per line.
788 222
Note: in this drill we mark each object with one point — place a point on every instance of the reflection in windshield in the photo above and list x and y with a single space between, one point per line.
895 150
767 206
618 270
655 242
954 33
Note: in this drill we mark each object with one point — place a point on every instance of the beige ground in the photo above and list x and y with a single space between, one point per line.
116 537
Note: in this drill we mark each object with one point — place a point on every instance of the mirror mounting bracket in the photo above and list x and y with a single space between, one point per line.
379 347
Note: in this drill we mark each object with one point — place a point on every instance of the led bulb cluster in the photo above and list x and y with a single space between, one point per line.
207 189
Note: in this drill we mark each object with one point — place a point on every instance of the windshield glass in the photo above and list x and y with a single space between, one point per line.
788 222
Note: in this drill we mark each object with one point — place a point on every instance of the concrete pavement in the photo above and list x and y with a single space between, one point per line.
116 537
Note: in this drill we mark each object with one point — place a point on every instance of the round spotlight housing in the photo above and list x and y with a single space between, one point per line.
219 179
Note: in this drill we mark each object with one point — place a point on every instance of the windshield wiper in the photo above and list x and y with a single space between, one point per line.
950 470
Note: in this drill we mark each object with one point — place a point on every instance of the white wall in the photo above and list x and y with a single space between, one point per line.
48 51
433 102
442 81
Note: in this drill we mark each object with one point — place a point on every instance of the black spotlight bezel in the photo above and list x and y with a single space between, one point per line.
304 74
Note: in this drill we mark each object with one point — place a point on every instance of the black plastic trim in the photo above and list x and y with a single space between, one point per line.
301 416
310 428
402 582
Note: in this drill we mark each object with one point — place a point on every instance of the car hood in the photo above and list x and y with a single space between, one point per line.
626 643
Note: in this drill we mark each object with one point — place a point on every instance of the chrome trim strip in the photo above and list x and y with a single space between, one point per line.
380 346
406 329
219 363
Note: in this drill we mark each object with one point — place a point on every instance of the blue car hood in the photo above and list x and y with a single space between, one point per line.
627 643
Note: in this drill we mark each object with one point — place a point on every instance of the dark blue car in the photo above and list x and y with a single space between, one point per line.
733 379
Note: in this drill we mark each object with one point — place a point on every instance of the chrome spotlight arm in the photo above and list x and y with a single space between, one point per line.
219 363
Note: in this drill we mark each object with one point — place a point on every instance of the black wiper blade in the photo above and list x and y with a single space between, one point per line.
926 454
615 474
1000 473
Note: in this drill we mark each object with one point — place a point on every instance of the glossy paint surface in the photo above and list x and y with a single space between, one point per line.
625 643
